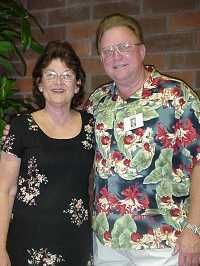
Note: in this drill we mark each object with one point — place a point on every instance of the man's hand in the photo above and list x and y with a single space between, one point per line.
188 247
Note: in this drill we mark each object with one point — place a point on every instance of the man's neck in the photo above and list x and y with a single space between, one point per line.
127 89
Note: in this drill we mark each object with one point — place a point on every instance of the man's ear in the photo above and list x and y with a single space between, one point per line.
142 51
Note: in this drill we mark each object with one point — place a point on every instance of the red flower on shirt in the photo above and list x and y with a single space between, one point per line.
117 156
184 134
107 235
135 237
166 229
100 126
128 139
146 93
131 193
105 140
175 212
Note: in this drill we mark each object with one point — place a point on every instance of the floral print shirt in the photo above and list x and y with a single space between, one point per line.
143 172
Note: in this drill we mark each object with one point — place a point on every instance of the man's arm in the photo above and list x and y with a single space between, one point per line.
188 245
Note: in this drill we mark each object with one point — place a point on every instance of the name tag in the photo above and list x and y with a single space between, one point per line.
134 121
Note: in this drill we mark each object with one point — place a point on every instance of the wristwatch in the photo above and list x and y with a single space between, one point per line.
194 228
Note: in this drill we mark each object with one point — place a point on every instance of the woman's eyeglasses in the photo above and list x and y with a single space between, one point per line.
52 76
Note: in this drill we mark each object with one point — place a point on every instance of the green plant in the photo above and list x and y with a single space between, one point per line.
16 38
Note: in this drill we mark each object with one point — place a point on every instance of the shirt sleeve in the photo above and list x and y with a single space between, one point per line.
13 143
190 130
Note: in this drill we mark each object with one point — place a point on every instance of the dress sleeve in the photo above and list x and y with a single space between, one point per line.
13 143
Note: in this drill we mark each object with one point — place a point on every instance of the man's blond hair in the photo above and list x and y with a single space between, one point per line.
115 20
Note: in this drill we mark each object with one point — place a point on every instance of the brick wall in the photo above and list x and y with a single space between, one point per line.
171 30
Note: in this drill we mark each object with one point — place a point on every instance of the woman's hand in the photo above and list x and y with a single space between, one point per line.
5 133
4 259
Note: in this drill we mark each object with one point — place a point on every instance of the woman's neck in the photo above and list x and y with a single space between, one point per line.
60 115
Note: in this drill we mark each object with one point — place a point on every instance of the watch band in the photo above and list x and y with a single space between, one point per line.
194 228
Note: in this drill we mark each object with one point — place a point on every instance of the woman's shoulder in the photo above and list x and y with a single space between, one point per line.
20 119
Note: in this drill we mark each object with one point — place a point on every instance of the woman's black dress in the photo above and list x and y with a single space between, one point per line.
51 221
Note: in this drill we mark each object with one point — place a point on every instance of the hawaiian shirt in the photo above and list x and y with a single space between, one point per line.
143 173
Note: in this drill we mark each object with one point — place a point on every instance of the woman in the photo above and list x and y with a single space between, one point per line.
45 163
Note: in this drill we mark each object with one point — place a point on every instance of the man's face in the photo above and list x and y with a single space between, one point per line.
122 55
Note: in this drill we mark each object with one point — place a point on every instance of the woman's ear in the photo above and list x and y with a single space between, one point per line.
78 83
40 88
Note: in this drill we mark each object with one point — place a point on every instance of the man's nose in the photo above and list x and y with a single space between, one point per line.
117 53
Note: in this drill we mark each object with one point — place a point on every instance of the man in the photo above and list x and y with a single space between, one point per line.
147 179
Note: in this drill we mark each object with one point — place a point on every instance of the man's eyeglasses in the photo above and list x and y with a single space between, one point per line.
108 51
52 76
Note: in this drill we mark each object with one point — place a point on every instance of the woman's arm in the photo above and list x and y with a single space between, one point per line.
9 171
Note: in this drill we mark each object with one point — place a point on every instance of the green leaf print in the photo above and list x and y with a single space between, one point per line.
164 188
125 239
122 226
169 220
148 111
142 160
154 177
196 108
106 116
100 225
164 158
163 167
181 189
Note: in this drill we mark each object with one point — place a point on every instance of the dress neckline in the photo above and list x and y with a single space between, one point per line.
56 139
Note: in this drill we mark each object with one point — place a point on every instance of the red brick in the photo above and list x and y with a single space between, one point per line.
51 33
92 66
41 17
170 42
126 7
31 56
158 6
82 48
198 40
197 80
81 30
176 61
98 80
73 2
24 84
193 60
45 4
158 60
187 21
186 76
152 25
73 14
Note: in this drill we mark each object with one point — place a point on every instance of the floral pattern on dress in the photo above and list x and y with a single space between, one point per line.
43 257
8 143
90 261
89 130
77 212
31 124
29 186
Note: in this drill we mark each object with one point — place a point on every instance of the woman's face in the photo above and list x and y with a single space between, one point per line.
58 84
